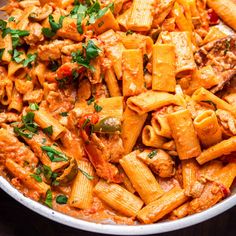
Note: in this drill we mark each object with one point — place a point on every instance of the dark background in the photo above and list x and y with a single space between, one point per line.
17 220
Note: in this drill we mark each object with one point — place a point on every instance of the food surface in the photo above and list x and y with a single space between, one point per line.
119 111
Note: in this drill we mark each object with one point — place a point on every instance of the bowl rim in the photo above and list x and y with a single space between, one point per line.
160 227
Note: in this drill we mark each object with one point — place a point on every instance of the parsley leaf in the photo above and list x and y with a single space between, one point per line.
16 56
64 114
152 154
36 177
61 199
28 121
21 132
12 18
48 200
92 99
1 53
3 25
81 12
34 106
48 130
54 155
30 58
17 32
97 107
88 176
48 33
47 172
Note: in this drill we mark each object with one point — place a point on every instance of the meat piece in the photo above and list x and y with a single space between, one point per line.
159 161
221 55
36 35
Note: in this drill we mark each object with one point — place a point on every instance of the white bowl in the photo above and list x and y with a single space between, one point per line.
118 229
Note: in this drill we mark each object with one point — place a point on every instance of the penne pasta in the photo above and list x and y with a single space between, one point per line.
141 178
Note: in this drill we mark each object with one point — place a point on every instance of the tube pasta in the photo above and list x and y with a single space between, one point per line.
44 119
133 81
26 177
223 148
6 87
150 100
185 63
82 189
208 129
6 44
163 68
16 71
183 132
156 210
150 138
141 178
118 198
112 84
201 95
124 18
131 119
180 212
141 15
16 101
160 125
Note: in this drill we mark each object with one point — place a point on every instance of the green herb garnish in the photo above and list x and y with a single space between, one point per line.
48 200
54 155
48 130
91 100
34 106
152 154
88 176
30 58
61 199
64 114
97 107
37 177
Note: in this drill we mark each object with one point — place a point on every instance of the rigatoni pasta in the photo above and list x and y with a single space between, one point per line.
118 111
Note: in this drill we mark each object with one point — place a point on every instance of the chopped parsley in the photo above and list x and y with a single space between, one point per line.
128 32
48 130
11 19
47 32
210 103
37 177
30 58
91 100
89 52
88 176
97 108
1 53
152 154
34 106
54 155
16 56
61 199
48 200
64 114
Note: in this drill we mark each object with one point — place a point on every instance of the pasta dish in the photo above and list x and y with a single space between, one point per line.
119 111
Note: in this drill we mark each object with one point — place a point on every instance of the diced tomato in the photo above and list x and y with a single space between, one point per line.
213 17
64 71
91 118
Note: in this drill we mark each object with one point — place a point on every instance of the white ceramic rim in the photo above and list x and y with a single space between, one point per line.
117 229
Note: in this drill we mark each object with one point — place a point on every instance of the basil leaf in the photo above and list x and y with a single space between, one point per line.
15 41
28 121
61 199
88 176
19 33
48 130
92 51
3 24
34 106
30 58
152 154
48 200
55 26
36 177
47 172
97 107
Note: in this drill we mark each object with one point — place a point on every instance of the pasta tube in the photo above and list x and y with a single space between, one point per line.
16 101
225 10
183 132
45 120
162 206
150 100
131 119
141 177
225 147
205 96
118 198
82 189
132 81
141 15
163 67
112 84
150 138
208 129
